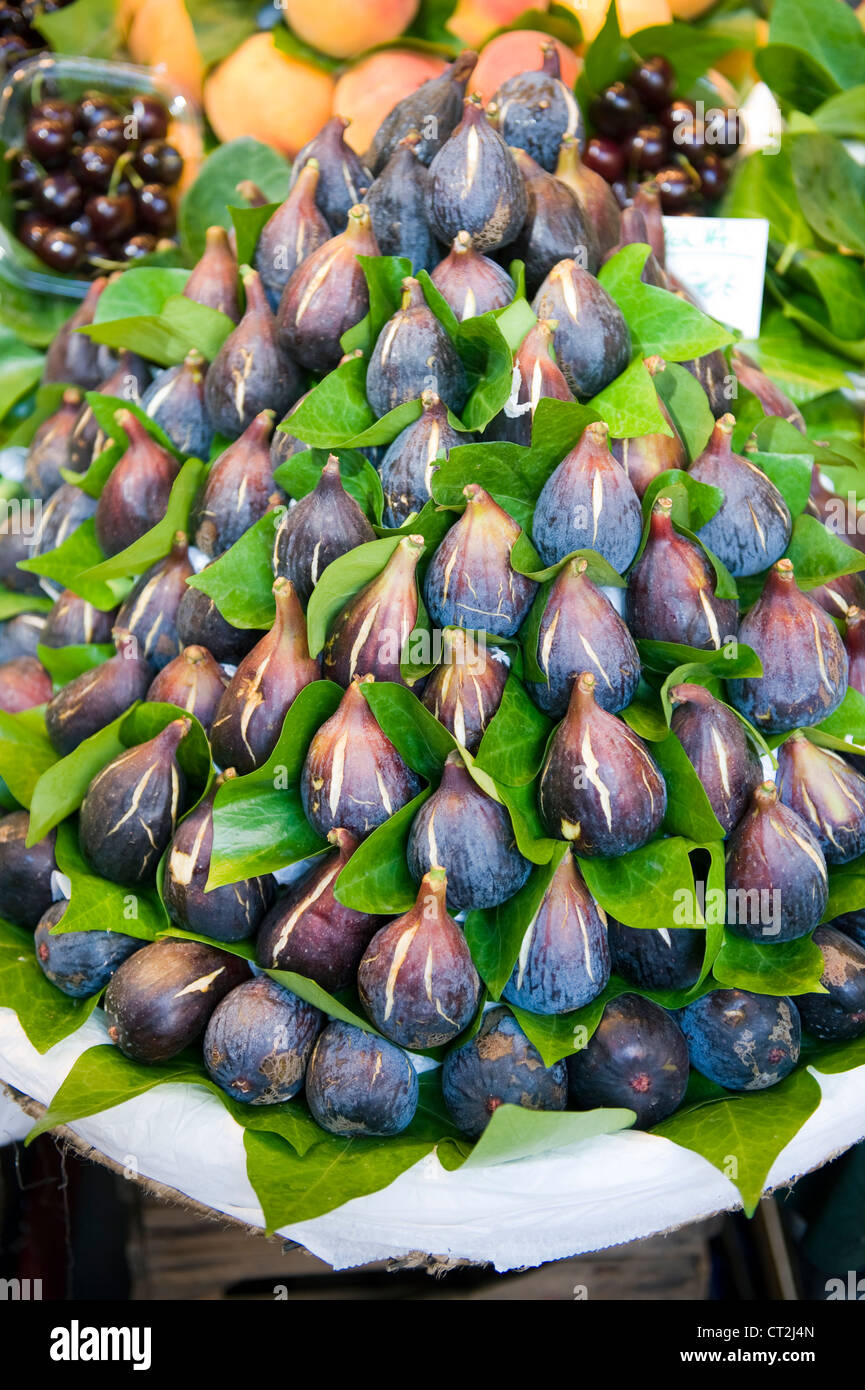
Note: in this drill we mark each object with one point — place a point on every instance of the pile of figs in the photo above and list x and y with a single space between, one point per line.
463 195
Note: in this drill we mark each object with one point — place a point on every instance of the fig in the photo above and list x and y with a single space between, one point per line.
470 581
149 613
160 999
564 959
657 958
854 645
599 786
252 371
398 203
499 1066
327 295
588 503
96 697
647 200
433 109
358 1085
24 684
593 193
17 544
471 283
49 451
213 281
258 1042
717 746
199 623
79 963
740 1040
633 231
72 357
465 691
194 682
129 379
410 461
555 227
62 514
713 375
827 793
323 525
131 807
343 178
73 622
539 378
852 924
239 489
591 338
536 110
353 778
293 232
671 590
413 354
636 1058
463 831
649 455
839 595
580 630
25 871
770 396
804 659
21 635
752 528
251 711
476 184
310 932
839 1014
136 492
284 445
174 400
370 634
417 981
777 885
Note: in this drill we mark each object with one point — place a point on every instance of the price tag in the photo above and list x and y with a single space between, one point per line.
722 261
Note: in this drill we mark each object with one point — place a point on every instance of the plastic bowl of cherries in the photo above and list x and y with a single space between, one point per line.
642 134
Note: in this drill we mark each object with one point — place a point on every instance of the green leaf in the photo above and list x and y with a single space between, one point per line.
496 934
249 223
763 186
515 1132
794 76
800 367
206 202
734 661
166 338
13 604
532 840
629 405
818 555
20 370
689 811
314 994
769 967
831 189
156 543
414 731
300 474
336 411
63 664
69 563
240 582
384 277
643 888
340 581
514 741
688 404
142 290
833 36
660 323
44 1012
92 30
843 114
61 787
95 903
376 877
849 718
25 752
791 474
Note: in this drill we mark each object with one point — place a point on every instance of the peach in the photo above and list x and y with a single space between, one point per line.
517 51
160 35
633 14
474 20
368 91
345 28
261 92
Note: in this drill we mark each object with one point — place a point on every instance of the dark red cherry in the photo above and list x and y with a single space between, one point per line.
93 108
159 163
714 176
112 215
48 140
60 196
62 249
605 157
110 130
25 174
654 81
134 247
94 165
616 110
678 189
32 229
150 116
55 109
155 208
647 149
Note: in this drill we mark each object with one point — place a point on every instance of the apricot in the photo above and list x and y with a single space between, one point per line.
633 14
474 20
345 28
366 92
261 92
160 35
517 51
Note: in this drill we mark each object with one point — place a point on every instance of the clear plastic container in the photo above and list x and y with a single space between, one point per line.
55 75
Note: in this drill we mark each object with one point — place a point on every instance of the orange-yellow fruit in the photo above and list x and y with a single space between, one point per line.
633 14
261 92
344 28
518 51
368 91
160 35
474 20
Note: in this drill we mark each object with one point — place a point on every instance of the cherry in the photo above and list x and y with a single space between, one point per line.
622 193
12 21
654 81
151 117
112 215
55 109
647 149
605 158
155 208
25 174
677 187
616 110
158 162
61 196
48 140
82 225
142 244
109 130
62 249
714 176
32 229
94 165
93 108
13 47
724 132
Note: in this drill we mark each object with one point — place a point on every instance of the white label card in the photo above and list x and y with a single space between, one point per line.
722 261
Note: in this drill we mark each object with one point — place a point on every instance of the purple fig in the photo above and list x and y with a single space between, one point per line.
285 445
174 400
671 590
837 596
21 635
149 614
741 1040
199 623
657 958
370 634
649 455
770 396
239 489
135 496
476 184
471 283
499 1066
25 871
213 281
398 203
838 1014
194 682
637 1058
588 503
410 461
73 357
49 451
564 959
537 111
79 963
777 886
414 354
752 528
827 793
295 230
539 379
593 193
327 295
24 684
252 371
343 176
470 581
647 200
259 1041
854 645
434 109
592 342
358 1085
465 691
98 696
556 226
74 622
323 525
128 381
633 231
717 746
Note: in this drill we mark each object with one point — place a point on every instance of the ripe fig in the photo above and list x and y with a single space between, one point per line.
24 684
471 283
777 886
358 1085
536 110
323 525
72 622
129 379
633 231
194 682
410 461
470 581
131 807
327 295
259 695
671 590
72 357
463 831
417 981
398 203
284 445
580 630
740 1040
434 109
718 749
21 635
161 998
239 489
804 659
310 932
174 400
599 787
592 342
149 614
637 1058
258 1042
539 378
252 371
353 777
213 281
62 514
476 184
136 492
657 958
343 177
840 1014
49 451
199 623
588 503
414 354
713 375
293 232
556 226
369 635
564 959
97 696
465 691
25 872
593 193
645 457
854 645
17 544
827 793
770 396
499 1066
838 596
80 963
647 200
752 527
